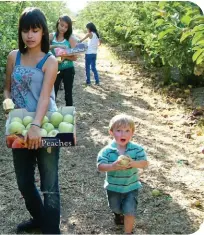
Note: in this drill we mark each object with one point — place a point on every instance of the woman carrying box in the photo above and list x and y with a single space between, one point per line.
30 75
63 38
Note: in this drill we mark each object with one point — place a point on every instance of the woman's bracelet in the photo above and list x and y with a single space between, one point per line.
33 124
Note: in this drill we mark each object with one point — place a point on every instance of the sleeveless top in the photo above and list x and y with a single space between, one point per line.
66 63
26 85
92 44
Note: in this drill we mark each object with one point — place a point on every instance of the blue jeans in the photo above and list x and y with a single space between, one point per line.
123 203
91 63
46 214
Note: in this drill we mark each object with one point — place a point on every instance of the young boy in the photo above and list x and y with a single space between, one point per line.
122 181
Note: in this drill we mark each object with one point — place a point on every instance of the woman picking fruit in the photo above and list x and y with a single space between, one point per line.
30 76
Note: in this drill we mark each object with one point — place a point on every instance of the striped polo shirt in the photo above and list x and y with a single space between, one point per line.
121 181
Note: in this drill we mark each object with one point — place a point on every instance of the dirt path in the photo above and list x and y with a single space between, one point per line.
161 128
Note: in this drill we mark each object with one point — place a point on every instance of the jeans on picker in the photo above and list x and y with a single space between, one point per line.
67 75
47 214
91 62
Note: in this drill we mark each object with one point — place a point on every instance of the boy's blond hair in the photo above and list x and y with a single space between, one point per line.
121 120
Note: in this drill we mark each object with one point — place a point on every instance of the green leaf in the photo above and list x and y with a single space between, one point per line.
185 35
196 54
164 33
201 42
197 37
200 59
186 19
198 28
159 22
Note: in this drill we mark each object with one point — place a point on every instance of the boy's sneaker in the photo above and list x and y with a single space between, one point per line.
28 226
119 219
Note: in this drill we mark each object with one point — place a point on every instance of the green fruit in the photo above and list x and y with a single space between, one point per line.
124 160
16 119
43 132
53 133
68 118
45 120
56 118
27 120
48 127
15 128
24 132
65 127
156 192
28 126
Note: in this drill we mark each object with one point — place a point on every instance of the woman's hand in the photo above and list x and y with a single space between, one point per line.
33 137
71 57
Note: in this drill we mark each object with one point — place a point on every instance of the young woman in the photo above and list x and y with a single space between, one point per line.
63 38
30 76
91 53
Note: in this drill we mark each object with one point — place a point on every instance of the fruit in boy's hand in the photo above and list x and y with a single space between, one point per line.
10 139
65 127
45 120
16 119
27 120
124 160
48 127
53 133
43 132
56 118
19 143
15 128
68 118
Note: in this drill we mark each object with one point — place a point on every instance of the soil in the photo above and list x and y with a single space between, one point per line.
162 128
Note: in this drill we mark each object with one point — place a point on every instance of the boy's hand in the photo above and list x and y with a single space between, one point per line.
117 167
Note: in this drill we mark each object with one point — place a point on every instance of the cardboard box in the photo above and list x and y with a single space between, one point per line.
61 139
80 48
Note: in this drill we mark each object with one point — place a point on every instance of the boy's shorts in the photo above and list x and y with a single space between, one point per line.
123 203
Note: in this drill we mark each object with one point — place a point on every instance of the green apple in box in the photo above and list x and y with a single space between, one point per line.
56 118
68 118
27 120
48 127
65 127
43 132
15 128
45 120
53 133
28 126
16 119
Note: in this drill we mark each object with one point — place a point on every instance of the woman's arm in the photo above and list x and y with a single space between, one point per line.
88 35
9 70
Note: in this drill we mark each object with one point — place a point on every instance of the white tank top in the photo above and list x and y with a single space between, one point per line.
93 44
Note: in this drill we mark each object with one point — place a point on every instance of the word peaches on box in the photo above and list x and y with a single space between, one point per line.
58 129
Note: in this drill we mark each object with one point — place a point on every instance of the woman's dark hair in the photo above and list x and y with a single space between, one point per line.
68 20
92 28
32 18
